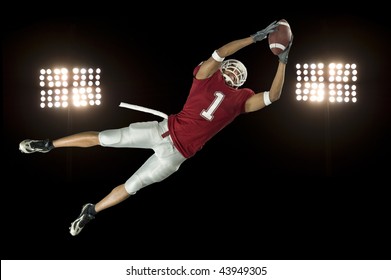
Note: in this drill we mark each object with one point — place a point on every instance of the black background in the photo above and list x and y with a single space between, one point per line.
292 181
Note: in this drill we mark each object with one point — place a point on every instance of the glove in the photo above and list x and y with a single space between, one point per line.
262 34
283 57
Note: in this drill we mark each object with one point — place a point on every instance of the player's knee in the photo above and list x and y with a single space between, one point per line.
110 137
133 184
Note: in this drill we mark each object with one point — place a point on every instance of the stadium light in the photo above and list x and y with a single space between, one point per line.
61 88
335 83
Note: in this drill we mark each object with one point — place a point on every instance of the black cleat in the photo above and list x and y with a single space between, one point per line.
82 220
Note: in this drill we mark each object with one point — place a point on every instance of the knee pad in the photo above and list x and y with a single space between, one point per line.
110 137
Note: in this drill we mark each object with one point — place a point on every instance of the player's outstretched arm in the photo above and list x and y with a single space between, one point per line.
210 66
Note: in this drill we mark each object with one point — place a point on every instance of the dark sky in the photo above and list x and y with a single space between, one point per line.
290 181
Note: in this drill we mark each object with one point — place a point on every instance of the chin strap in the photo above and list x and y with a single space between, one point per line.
143 109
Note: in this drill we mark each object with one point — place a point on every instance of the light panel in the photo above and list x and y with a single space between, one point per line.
61 88
334 83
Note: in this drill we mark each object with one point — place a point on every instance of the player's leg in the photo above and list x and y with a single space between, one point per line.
165 161
137 135
83 139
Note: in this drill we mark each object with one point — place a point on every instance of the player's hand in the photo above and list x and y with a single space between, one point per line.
283 57
262 34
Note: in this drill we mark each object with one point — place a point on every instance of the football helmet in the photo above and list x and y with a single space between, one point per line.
234 72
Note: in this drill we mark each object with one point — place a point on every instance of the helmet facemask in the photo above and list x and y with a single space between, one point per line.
234 72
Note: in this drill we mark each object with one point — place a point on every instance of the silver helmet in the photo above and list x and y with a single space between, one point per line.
234 72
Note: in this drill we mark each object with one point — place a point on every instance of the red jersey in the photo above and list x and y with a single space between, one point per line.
210 106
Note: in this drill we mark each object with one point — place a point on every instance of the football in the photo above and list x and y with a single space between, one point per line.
280 38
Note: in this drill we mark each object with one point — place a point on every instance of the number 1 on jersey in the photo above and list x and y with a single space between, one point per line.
208 114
